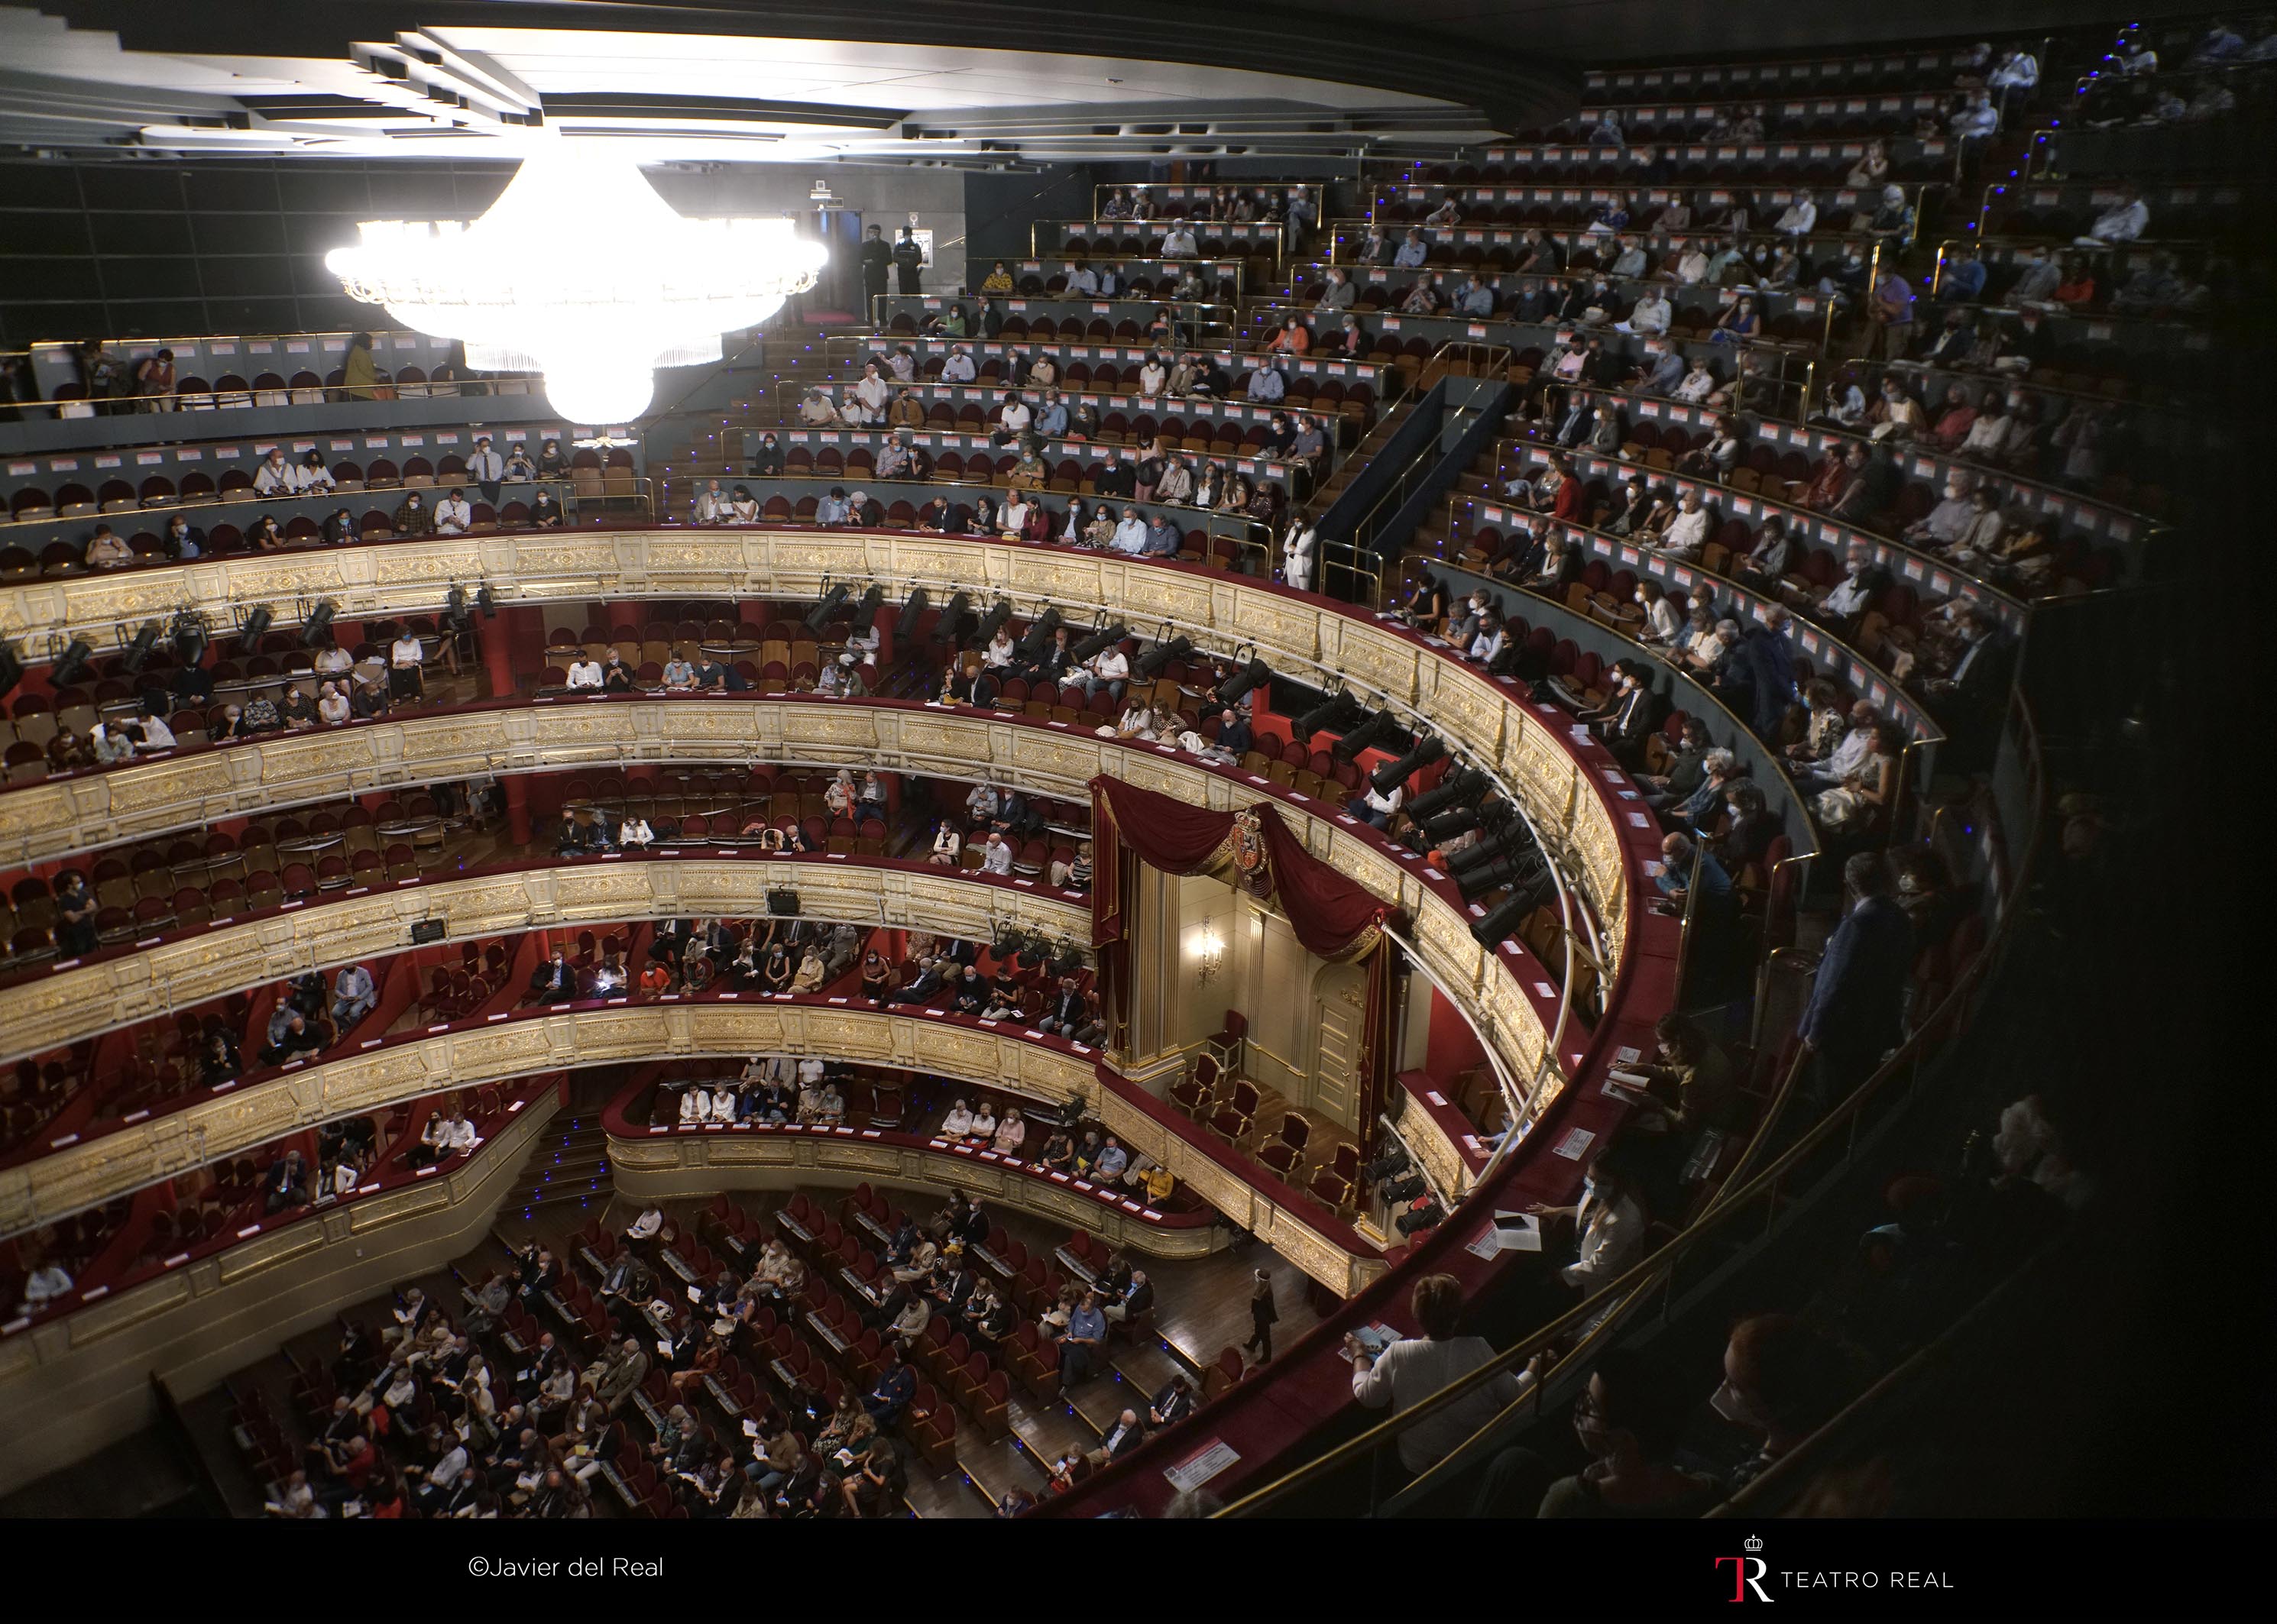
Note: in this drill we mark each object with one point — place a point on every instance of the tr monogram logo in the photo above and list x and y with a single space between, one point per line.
1748 1571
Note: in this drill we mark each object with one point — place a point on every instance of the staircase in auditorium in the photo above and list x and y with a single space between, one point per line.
569 1170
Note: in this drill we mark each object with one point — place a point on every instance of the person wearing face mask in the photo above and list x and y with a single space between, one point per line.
1414 1369
1629 1418
1660 626
1609 1219
2037 281
1846 602
1782 1381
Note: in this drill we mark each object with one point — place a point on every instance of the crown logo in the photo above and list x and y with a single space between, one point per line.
1753 1542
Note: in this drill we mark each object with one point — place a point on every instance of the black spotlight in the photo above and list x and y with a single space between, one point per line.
820 615
11 669
1465 787
1322 716
456 613
73 666
319 626
953 617
1152 663
1040 631
1487 850
486 601
1422 755
985 632
1501 921
1378 727
248 640
1256 674
866 612
906 621
1451 822
189 643
138 652
1099 642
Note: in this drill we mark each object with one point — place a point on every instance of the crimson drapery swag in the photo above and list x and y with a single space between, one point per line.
1331 915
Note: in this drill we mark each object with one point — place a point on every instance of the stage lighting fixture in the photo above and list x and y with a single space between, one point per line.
1465 787
986 632
1501 921
1152 663
906 622
866 612
1256 674
318 626
1099 642
11 669
1451 822
1423 755
73 666
138 652
1040 631
1378 727
1325 716
820 615
249 634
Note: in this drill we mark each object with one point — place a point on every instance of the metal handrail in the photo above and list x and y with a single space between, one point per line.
1733 1198
160 512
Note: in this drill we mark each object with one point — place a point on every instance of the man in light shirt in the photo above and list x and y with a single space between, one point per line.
1109 669
1013 417
711 504
274 477
1266 385
1177 242
455 516
1130 534
1376 807
997 857
958 367
1799 216
487 469
2122 221
585 673
1162 539
353 996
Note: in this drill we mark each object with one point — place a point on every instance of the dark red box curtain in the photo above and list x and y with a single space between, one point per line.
1332 916
1329 915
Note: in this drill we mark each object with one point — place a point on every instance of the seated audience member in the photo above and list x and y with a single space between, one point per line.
1411 1369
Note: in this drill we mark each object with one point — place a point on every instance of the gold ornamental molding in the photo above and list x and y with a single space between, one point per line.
702 1165
1515 1012
365 922
78 1381
385 1072
1478 718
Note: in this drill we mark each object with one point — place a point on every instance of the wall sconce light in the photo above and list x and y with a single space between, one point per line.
1209 955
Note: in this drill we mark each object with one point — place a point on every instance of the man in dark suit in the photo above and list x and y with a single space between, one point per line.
1065 1012
927 983
1136 1299
1767 664
1971 701
1233 734
1124 1436
1635 716
1857 1011
1172 1405
553 982
877 259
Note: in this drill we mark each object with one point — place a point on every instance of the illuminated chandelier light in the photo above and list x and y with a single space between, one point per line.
582 272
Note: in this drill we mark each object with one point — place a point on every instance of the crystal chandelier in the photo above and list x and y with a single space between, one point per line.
582 272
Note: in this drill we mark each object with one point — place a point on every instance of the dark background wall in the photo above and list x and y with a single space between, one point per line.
119 250
122 250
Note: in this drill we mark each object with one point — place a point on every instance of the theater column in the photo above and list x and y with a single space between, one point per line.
517 807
